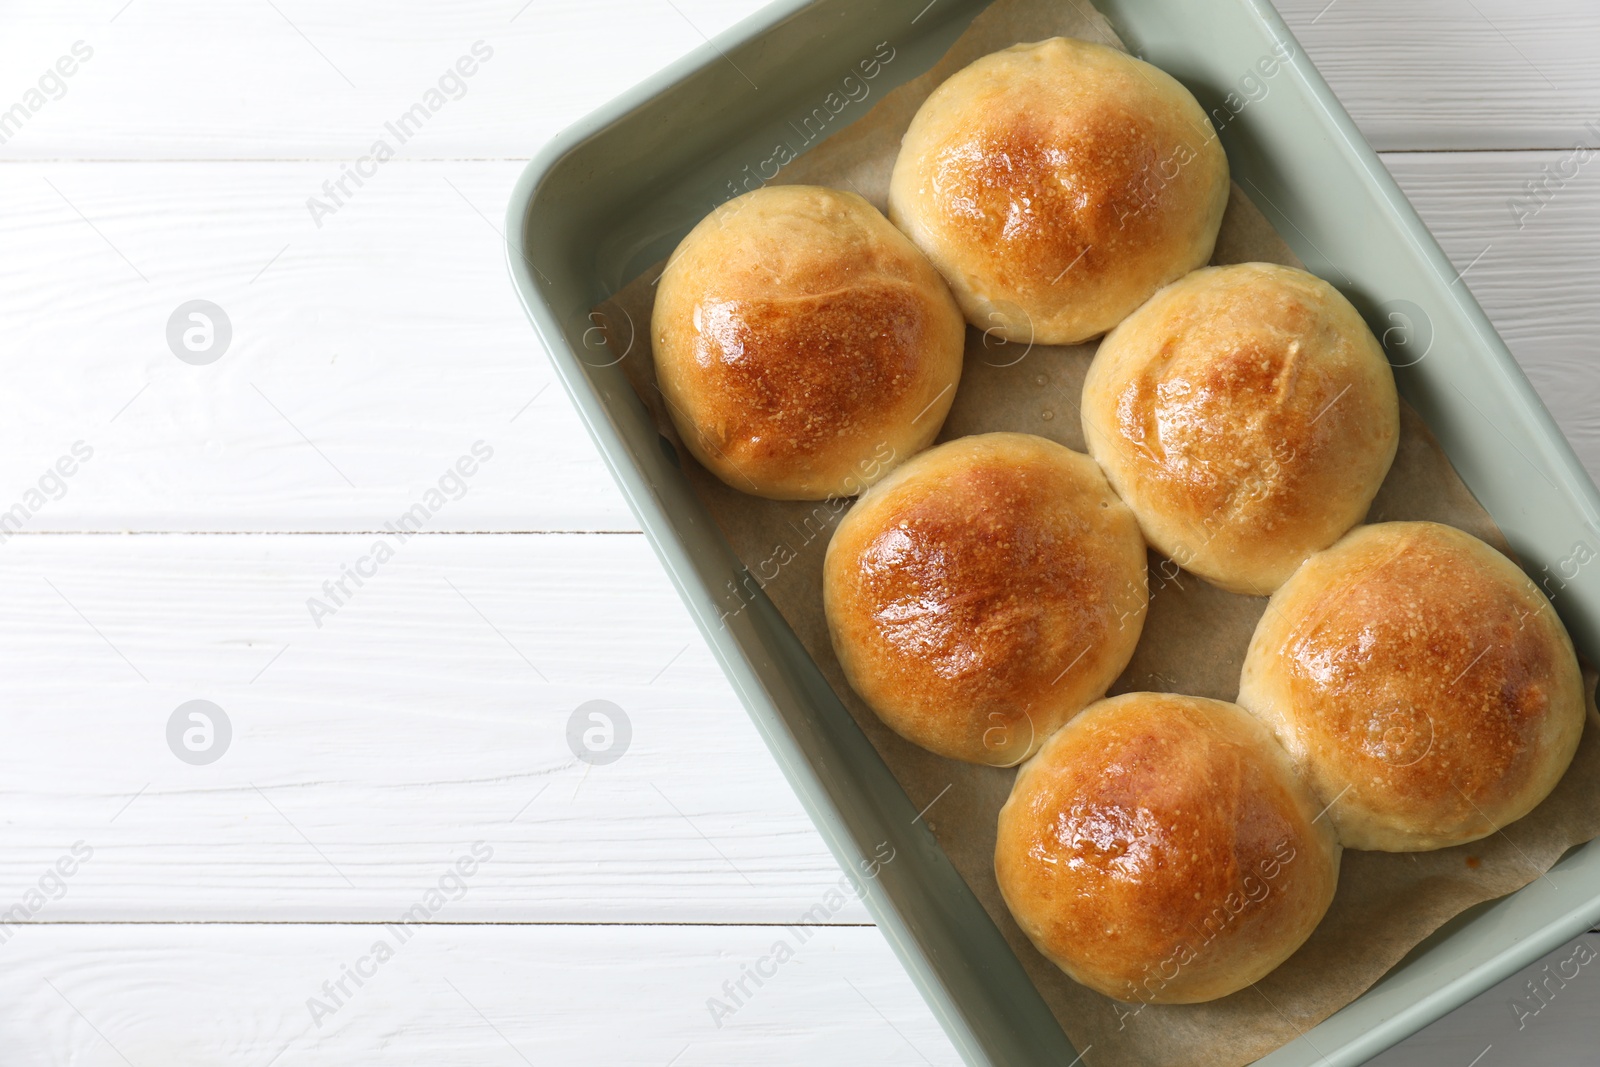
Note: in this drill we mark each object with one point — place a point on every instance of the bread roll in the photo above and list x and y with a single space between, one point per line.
1160 850
1421 681
983 593
1248 417
1057 185
803 345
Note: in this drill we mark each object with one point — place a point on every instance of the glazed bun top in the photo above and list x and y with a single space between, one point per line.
1421 681
1057 185
984 592
1160 849
1248 416
803 345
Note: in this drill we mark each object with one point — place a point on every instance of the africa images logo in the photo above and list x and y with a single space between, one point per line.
451 85
853 90
452 485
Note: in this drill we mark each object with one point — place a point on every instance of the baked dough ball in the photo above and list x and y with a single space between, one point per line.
1057 185
1423 684
1248 417
1160 849
983 593
803 345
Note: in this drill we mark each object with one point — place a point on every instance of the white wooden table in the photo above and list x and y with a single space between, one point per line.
407 747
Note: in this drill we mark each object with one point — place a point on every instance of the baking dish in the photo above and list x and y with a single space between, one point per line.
615 193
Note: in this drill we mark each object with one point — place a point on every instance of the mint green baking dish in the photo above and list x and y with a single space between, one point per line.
615 193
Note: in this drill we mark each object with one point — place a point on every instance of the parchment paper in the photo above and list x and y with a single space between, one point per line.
1194 638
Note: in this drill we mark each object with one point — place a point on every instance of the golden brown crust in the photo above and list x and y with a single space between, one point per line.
984 593
1248 416
1057 185
1422 682
800 339
1160 849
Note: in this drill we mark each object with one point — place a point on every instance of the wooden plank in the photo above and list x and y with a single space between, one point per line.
429 711
321 81
1443 74
151 996
392 341
366 358
1531 261
117 995
192 79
